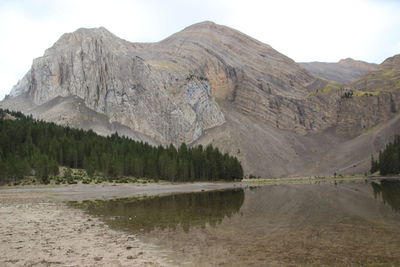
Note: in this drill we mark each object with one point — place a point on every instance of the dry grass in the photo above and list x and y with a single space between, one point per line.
366 93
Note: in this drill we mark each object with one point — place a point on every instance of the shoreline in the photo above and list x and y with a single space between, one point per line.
39 232
81 192
37 227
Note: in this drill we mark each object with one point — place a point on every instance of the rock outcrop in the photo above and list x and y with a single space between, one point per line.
375 99
112 79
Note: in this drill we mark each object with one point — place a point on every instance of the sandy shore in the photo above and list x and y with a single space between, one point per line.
37 228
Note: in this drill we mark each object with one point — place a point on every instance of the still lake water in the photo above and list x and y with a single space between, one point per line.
340 224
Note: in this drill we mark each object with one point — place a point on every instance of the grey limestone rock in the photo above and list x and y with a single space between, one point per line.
170 90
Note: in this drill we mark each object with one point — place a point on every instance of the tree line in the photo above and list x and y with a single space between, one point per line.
32 147
388 161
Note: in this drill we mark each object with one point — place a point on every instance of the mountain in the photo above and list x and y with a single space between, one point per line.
346 70
168 90
205 84
376 98
384 79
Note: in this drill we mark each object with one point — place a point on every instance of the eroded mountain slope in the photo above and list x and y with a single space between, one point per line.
211 84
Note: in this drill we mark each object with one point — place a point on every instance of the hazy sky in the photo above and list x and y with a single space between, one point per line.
305 30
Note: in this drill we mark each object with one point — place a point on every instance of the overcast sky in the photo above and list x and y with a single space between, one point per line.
305 30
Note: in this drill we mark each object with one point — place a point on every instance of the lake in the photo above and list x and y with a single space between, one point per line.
341 224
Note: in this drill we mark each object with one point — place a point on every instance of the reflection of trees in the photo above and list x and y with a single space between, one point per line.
186 210
390 192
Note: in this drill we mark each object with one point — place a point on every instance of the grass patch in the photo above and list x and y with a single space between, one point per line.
330 87
366 93
388 73
70 176
165 65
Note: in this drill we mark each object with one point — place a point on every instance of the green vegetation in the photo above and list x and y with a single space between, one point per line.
329 88
389 159
75 176
389 73
389 190
348 94
167 212
31 148
366 93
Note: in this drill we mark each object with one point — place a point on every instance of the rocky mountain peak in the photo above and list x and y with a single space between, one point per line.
348 61
215 33
99 31
203 25
358 64
68 39
184 74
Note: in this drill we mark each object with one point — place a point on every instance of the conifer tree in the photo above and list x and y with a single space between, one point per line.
29 146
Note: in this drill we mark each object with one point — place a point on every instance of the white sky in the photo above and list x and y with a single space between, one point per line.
305 30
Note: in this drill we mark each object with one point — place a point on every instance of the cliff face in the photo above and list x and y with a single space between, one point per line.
375 99
256 79
364 110
206 84
112 79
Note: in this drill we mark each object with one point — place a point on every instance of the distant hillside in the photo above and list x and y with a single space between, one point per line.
369 116
344 71
386 77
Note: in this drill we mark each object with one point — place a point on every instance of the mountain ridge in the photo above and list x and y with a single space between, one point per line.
205 84
344 71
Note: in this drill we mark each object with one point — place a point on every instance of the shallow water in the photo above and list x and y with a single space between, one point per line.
306 224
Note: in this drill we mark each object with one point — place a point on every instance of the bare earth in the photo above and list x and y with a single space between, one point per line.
38 229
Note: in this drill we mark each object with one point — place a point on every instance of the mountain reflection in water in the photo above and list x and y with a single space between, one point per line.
389 191
185 210
320 224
